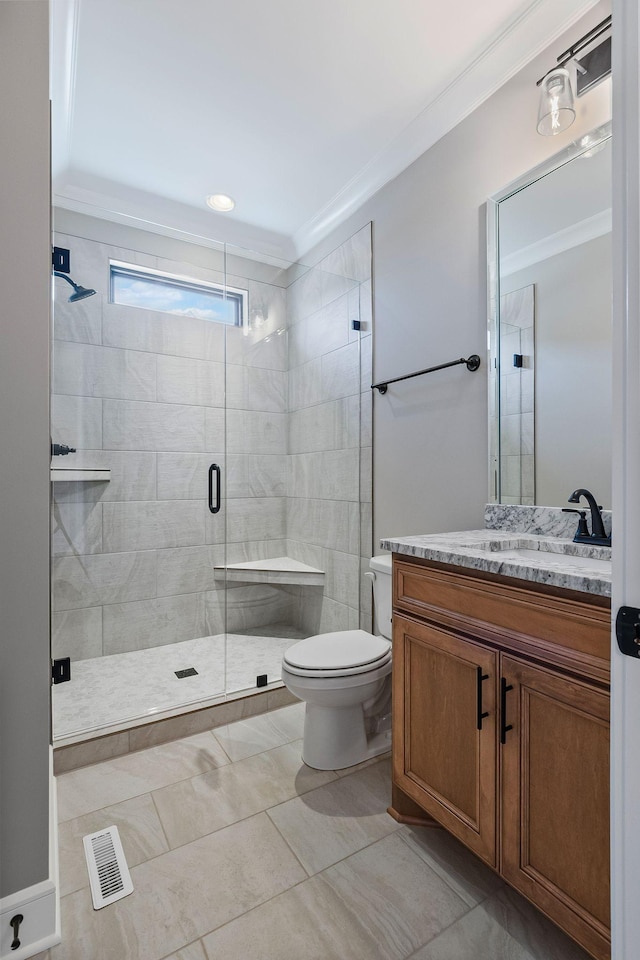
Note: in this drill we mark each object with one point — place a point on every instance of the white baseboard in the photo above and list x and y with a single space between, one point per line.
39 904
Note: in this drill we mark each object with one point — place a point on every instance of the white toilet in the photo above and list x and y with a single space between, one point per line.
345 680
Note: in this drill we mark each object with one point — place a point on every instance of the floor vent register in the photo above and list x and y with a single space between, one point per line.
108 871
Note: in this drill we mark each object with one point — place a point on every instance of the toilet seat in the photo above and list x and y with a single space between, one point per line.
340 654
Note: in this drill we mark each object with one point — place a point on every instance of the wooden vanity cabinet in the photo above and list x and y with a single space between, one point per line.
501 731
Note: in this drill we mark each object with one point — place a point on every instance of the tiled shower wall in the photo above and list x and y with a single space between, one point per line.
329 463
142 393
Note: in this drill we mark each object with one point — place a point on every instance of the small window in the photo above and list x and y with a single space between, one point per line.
155 290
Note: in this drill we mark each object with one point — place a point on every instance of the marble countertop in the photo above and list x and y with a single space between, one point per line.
561 563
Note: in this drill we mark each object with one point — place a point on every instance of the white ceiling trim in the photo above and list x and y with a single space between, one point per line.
134 208
582 232
524 39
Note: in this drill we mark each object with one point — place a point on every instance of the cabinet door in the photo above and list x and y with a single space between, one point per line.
555 799
444 750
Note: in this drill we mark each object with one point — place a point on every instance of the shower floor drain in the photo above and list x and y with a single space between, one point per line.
189 672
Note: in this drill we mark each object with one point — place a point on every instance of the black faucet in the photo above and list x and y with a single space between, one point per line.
597 535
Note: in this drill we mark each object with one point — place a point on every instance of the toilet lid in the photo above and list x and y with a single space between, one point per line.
343 650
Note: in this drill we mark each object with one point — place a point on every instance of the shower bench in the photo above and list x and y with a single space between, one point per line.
274 570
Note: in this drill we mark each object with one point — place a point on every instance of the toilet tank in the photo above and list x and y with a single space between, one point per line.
381 567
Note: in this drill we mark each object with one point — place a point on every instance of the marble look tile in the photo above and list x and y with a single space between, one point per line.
257 518
188 569
337 616
261 347
337 819
334 286
366 530
246 550
202 805
92 788
185 476
76 421
146 525
255 476
469 877
80 321
249 737
304 296
366 363
76 529
326 523
366 474
341 576
352 258
268 301
132 477
280 698
195 951
77 633
129 425
249 431
330 475
92 371
505 927
376 905
252 388
151 623
253 607
102 578
366 415
162 333
305 385
181 895
320 333
140 831
327 426
91 751
197 721
196 382
340 373
140 684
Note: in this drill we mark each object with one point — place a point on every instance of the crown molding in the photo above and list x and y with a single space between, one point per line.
104 200
527 36
582 232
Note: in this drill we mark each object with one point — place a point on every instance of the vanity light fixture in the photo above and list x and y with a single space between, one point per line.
220 202
556 111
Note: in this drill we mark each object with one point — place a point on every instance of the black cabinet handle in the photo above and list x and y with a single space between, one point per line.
504 726
214 468
480 677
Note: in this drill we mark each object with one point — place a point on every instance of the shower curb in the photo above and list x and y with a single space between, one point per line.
98 747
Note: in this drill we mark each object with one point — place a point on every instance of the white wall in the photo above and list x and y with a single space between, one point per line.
430 434
25 268
573 359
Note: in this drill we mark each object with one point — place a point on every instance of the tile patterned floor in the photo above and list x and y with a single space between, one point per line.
238 850
108 690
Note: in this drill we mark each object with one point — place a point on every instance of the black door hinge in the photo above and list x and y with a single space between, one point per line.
61 670
628 631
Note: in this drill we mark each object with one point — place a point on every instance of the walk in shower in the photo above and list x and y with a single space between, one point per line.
218 502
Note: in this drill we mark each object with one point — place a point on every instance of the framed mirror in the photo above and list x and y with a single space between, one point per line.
549 290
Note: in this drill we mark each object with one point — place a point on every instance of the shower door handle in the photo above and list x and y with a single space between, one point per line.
214 468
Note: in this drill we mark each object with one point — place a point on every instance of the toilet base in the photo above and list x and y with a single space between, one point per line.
335 738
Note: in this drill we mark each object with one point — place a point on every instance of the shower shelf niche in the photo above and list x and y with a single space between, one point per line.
275 570
77 474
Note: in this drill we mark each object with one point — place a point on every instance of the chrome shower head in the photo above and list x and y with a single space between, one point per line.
80 293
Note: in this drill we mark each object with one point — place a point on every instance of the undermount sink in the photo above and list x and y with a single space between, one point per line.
557 558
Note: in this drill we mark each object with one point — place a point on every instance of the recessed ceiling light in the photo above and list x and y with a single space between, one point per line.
220 202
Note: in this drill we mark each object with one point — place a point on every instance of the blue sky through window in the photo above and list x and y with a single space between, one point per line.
174 296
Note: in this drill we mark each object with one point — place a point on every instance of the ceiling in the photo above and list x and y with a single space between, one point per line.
300 110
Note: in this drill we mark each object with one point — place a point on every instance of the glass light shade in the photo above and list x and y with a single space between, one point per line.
556 111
